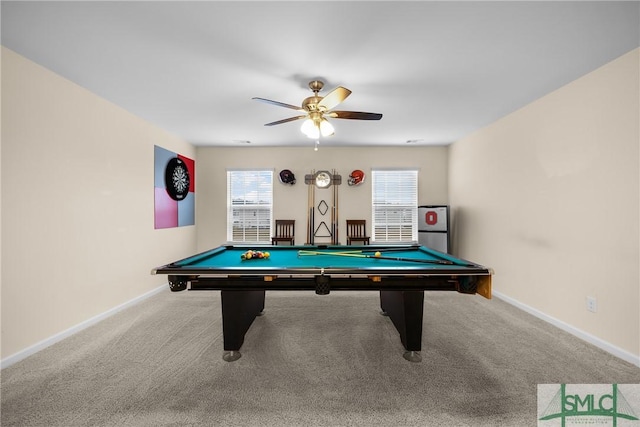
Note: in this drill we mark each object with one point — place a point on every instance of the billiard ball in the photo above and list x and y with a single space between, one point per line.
378 254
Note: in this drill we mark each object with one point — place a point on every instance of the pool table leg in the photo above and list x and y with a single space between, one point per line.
239 310
405 308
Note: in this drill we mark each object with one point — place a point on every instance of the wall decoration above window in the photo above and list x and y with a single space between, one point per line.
174 189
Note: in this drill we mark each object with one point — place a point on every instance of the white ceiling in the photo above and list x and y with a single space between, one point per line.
436 70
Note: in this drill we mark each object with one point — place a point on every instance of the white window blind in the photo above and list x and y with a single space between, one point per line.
394 205
249 206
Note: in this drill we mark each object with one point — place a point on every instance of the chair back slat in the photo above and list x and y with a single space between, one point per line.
285 231
357 231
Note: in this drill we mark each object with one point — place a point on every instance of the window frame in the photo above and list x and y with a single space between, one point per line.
394 205
255 187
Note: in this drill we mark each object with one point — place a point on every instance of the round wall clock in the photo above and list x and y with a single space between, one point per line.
323 179
176 179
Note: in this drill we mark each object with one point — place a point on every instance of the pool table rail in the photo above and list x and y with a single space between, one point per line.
462 283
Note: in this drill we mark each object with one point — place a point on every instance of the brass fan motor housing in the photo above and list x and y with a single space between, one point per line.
311 103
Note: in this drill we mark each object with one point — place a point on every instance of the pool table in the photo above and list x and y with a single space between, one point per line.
401 273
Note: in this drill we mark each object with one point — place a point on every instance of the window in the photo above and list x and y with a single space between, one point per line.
394 195
249 205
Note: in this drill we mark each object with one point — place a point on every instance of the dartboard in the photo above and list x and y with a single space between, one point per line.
176 179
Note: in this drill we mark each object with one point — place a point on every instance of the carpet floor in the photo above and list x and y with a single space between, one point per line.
309 361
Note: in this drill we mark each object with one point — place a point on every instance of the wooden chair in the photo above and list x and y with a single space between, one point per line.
357 231
285 231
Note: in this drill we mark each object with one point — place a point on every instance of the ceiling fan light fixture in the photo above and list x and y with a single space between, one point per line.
310 129
326 128
316 106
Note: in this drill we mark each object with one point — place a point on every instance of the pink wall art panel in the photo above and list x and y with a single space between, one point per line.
174 189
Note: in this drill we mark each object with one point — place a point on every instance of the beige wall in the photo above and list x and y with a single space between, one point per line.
77 205
548 196
290 202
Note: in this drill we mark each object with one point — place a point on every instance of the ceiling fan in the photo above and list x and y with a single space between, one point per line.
317 108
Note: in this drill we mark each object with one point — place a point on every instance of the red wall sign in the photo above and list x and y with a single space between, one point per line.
431 217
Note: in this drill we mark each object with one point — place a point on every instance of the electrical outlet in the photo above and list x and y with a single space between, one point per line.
592 305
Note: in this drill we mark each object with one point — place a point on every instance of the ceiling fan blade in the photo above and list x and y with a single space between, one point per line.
356 115
334 97
279 104
290 119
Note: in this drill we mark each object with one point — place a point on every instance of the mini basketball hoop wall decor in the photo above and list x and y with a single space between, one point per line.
174 189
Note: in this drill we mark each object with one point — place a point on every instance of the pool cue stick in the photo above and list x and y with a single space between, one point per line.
336 207
310 206
333 211
310 231
351 251
312 234
389 249
364 251
311 252
308 213
423 261
331 230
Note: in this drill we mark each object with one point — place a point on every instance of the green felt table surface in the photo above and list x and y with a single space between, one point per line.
314 257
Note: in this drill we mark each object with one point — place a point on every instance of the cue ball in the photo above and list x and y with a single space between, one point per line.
377 254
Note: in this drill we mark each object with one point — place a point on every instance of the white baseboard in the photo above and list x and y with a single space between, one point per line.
74 329
600 343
